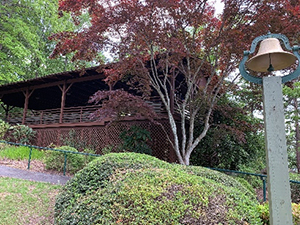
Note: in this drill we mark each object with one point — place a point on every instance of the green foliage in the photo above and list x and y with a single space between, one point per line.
135 139
24 44
107 149
21 133
20 153
232 139
263 210
55 160
3 128
89 158
222 178
295 188
77 141
291 100
130 188
296 213
4 146
73 140
254 181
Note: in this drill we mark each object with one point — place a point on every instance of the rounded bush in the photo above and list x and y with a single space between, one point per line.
131 188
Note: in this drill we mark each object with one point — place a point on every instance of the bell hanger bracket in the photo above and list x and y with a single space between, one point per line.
284 39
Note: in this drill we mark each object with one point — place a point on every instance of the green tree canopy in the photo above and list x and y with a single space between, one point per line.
25 26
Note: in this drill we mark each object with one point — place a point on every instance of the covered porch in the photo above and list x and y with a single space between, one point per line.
57 104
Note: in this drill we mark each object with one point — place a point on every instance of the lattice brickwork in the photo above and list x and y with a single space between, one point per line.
98 137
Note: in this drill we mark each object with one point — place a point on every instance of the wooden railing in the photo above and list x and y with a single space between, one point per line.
49 116
79 114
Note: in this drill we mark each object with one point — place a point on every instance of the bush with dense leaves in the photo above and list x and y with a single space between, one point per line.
131 188
295 188
265 213
3 128
55 160
21 133
135 139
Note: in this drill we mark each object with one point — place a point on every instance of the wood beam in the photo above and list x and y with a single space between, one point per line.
27 95
52 84
64 89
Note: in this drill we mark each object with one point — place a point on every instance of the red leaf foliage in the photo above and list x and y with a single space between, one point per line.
178 48
137 28
117 104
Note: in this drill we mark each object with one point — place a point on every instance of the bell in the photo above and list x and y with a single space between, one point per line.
270 57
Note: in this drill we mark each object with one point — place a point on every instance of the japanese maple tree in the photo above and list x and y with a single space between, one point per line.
179 49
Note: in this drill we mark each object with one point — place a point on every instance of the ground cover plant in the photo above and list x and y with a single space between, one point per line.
26 202
130 188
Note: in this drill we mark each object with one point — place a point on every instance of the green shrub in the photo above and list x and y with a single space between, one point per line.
135 140
55 160
89 158
107 149
4 146
296 213
3 128
20 153
295 188
21 133
255 181
221 178
76 141
263 210
130 188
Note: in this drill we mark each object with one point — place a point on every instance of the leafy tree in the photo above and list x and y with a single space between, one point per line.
233 138
292 94
249 97
24 46
178 49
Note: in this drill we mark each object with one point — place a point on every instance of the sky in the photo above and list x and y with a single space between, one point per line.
219 6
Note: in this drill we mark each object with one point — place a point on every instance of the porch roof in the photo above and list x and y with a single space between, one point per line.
47 93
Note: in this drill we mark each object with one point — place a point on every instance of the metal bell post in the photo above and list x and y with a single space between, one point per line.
271 57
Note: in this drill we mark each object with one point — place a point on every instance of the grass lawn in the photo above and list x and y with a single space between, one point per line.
26 202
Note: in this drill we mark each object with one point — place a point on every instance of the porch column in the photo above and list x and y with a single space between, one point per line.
64 89
6 108
27 95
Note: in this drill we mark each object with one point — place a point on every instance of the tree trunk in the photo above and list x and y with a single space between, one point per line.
297 135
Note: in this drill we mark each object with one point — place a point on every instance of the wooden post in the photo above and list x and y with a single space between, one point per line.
6 108
64 89
41 117
277 163
80 118
27 95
